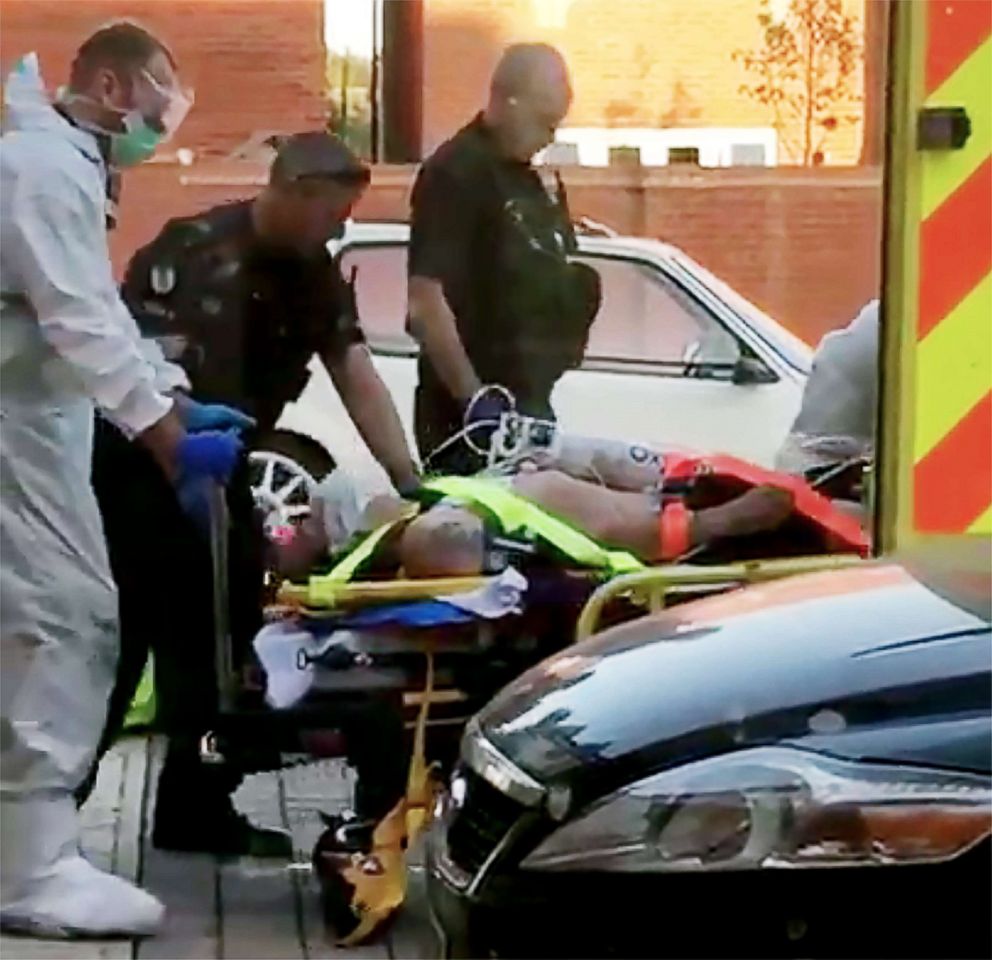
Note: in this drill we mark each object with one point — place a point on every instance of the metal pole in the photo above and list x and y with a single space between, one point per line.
223 654
344 94
374 134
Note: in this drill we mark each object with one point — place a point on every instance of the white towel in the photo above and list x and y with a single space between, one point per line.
499 597
278 646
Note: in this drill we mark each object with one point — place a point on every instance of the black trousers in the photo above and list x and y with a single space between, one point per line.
162 566
436 420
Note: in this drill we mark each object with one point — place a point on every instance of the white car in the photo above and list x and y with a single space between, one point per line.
675 357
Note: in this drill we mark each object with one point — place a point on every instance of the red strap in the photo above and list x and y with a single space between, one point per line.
844 530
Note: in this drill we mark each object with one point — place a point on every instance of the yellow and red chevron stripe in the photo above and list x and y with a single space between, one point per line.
952 451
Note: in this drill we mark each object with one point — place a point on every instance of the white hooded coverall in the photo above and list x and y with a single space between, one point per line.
66 341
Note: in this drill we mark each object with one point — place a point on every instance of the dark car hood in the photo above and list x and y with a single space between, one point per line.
866 662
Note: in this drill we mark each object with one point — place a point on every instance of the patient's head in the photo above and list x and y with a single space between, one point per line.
446 541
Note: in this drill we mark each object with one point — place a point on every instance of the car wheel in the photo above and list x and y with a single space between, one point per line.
284 470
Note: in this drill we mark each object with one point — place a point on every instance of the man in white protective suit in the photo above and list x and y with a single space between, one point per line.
68 345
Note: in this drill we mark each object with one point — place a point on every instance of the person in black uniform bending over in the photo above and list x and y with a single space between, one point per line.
494 295
246 293
241 296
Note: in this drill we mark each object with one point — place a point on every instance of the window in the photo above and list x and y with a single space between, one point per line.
625 156
647 318
380 292
561 154
683 155
747 155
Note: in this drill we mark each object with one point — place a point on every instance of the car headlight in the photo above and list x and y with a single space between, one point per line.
774 807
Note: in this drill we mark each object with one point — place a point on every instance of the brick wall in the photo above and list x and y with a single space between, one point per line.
255 64
802 244
634 62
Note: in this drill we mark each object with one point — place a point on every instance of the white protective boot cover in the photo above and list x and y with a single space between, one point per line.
47 889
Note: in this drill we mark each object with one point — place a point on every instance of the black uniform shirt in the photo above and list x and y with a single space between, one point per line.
241 318
471 210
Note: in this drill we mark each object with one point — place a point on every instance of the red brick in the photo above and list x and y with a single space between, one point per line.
254 64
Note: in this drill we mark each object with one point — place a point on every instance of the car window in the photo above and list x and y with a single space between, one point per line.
381 292
646 317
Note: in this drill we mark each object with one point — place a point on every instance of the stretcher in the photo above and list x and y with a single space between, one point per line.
393 624
377 638
434 672
408 646
387 650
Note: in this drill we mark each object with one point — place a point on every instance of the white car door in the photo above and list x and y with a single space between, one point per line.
660 369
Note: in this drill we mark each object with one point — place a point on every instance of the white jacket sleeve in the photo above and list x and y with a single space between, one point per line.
168 376
60 252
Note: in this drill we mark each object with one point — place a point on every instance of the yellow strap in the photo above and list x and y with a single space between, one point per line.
379 894
365 592
379 877
346 567
323 589
418 784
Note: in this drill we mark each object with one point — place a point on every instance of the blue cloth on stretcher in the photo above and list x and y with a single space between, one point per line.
417 613
498 597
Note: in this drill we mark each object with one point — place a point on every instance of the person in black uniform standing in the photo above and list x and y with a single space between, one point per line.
241 296
495 296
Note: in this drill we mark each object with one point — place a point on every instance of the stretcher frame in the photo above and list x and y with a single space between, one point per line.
652 587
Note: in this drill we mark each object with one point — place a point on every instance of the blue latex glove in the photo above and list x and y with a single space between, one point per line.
210 454
197 417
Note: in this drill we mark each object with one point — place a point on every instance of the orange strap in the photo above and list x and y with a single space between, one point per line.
674 530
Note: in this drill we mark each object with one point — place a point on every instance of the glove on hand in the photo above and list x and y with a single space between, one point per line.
197 417
210 454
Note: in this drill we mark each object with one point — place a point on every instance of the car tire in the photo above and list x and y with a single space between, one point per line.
304 450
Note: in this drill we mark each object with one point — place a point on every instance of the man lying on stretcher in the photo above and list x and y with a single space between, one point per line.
660 507
656 507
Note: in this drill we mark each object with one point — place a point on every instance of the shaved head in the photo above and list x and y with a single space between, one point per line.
529 95
528 67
